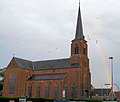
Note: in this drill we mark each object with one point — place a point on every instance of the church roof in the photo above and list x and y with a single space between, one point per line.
50 76
23 63
53 64
45 65
79 29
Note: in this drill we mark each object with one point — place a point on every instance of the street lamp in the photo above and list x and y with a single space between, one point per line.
116 86
111 58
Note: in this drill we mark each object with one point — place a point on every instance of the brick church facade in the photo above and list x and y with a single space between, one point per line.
68 78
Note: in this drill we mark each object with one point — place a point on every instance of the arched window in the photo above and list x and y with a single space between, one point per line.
38 90
84 52
65 91
73 93
56 90
30 90
11 83
76 49
47 89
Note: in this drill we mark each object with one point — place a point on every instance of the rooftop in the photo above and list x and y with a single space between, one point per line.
46 65
50 76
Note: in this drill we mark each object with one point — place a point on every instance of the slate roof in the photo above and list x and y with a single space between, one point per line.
46 65
23 63
50 76
53 64
79 29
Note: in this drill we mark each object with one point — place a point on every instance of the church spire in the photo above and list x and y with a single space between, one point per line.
79 30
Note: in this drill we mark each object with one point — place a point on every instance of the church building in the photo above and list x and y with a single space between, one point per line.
60 78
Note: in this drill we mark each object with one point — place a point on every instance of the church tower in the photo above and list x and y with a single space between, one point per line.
79 55
79 44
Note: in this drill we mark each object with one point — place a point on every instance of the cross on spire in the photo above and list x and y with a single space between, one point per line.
13 54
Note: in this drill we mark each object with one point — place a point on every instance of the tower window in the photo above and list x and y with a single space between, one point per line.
85 64
76 49
84 52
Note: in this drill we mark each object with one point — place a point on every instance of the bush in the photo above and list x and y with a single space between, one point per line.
16 99
7 99
1 86
94 100
40 100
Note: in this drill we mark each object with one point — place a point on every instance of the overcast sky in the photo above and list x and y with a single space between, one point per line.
43 29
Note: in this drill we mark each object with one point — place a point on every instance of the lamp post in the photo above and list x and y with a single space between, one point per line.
116 86
111 58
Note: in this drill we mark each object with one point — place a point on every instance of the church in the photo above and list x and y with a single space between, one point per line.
60 78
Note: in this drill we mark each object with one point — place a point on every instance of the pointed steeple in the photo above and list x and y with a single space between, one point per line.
79 30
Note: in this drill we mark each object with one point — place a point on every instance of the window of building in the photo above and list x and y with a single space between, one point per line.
65 91
38 90
47 89
84 52
96 94
12 83
76 49
73 91
30 90
56 91
85 64
105 94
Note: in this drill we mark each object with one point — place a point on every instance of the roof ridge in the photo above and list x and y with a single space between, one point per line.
40 60
52 73
52 60
22 59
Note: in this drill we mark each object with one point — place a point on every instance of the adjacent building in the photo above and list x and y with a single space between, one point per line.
105 94
101 93
68 77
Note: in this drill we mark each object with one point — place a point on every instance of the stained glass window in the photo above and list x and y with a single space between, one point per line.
56 91
38 90
47 88
12 83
